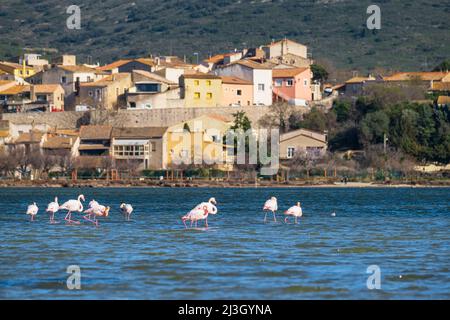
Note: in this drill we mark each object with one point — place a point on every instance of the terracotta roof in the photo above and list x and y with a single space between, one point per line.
58 143
425 76
147 61
3 82
15 90
440 86
201 76
154 76
80 68
107 80
287 73
4 133
235 80
95 132
46 88
93 147
137 133
250 64
29 137
360 79
218 117
443 100
304 132
115 64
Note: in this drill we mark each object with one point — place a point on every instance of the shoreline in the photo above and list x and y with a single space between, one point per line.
215 184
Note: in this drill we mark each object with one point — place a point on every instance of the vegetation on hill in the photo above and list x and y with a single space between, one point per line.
414 34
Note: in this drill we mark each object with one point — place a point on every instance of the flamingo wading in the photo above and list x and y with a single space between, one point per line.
295 211
271 205
73 206
201 212
96 210
32 211
52 208
126 209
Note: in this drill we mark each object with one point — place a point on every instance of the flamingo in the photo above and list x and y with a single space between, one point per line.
126 209
295 211
96 210
32 210
73 206
201 212
52 208
271 205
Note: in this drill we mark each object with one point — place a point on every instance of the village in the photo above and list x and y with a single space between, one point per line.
123 120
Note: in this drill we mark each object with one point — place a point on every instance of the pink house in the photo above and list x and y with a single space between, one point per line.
292 85
236 91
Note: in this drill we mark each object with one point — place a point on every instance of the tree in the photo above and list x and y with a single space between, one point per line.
319 73
374 126
278 117
444 66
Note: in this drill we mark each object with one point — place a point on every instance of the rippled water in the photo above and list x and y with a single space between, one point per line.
403 231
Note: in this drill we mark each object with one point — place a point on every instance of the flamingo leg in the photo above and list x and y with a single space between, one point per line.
88 217
274 217
206 222
265 218
286 220
296 222
184 222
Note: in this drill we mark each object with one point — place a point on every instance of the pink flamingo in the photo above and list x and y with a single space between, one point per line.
73 206
52 208
32 211
96 210
126 209
271 205
295 211
201 212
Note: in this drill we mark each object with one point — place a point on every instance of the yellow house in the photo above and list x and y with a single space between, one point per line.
16 69
201 90
198 141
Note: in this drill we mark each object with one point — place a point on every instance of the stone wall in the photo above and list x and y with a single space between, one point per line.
130 118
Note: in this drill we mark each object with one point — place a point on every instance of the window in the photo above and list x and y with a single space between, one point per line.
209 96
196 95
261 87
63 79
290 152
41 97
239 93
133 105
278 82
306 82
196 82
208 82
289 83
90 93
153 145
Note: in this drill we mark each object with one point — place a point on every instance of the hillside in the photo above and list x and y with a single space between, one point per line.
414 34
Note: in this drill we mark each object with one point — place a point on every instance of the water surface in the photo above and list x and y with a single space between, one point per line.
404 231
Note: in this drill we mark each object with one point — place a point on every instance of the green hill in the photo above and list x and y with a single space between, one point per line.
414 35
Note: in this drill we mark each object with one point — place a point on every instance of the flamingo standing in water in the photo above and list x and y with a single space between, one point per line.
295 211
73 206
32 210
201 212
52 208
271 205
126 209
96 210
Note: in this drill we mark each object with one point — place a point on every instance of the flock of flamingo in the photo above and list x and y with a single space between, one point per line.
199 213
